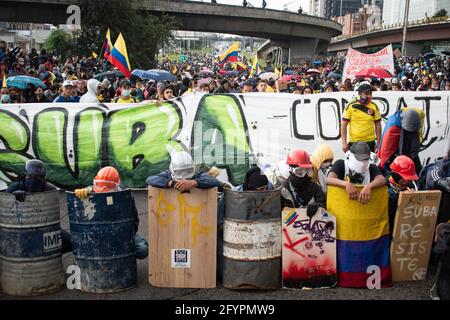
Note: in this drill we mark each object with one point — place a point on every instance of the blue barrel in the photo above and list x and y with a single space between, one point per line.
102 228
30 245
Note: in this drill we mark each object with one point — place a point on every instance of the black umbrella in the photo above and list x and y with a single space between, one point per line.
446 52
108 75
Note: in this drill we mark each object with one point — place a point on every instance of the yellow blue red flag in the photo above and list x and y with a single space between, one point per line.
119 56
231 55
107 45
255 67
4 84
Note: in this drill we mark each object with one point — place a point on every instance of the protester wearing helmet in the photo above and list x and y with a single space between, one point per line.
322 160
33 180
356 169
108 180
182 175
402 177
299 190
363 119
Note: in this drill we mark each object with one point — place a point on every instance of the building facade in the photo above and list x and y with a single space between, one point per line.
394 10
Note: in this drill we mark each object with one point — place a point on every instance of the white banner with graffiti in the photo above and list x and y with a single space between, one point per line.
229 131
356 61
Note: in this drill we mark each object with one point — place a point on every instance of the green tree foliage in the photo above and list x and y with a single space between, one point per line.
440 13
59 41
143 33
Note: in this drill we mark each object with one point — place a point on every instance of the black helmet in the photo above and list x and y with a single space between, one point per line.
364 87
35 168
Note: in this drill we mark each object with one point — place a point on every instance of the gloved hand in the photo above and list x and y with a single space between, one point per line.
444 184
311 209
82 193
20 195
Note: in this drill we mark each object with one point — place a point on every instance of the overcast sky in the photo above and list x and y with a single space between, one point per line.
292 5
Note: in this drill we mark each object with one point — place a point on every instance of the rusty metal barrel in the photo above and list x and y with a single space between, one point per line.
252 240
102 228
30 245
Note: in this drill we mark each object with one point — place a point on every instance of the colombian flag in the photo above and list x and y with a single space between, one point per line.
363 238
255 67
4 84
231 55
107 45
119 57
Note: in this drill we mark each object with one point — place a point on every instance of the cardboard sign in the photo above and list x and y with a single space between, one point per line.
414 227
183 238
309 249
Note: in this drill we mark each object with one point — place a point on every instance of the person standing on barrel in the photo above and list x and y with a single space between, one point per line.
108 180
34 180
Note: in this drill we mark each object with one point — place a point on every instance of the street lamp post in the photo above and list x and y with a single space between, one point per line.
405 25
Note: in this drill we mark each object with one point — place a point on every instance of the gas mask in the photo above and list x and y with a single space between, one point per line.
326 166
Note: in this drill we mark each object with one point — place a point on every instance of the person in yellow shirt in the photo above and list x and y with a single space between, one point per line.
125 93
363 119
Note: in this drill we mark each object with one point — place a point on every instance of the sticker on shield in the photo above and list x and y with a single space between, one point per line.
181 258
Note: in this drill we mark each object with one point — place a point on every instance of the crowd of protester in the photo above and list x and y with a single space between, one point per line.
70 80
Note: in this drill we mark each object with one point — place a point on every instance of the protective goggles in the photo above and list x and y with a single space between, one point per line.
301 172
105 186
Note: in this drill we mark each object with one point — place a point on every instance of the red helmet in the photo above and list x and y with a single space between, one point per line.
107 180
299 158
405 167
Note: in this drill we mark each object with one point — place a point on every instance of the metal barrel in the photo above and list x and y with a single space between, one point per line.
30 245
102 228
252 240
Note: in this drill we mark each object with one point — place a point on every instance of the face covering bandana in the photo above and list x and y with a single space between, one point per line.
183 174
34 184
356 165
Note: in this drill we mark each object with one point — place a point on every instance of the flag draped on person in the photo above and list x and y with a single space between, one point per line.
119 57
107 45
255 67
231 55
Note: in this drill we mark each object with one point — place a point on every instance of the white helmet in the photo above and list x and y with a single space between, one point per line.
181 166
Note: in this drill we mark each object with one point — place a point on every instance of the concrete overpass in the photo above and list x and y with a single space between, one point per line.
418 32
305 35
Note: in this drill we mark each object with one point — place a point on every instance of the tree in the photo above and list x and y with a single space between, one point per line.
440 13
143 33
59 41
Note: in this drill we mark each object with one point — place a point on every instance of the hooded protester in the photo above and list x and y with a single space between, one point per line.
402 136
322 160
182 175
401 178
355 170
108 180
255 180
299 190
33 180
91 95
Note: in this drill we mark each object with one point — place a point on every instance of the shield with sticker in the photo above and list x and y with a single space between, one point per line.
102 228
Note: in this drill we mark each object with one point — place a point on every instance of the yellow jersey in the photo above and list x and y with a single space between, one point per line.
361 120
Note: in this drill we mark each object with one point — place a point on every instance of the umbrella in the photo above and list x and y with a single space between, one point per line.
21 82
268 75
205 74
161 75
289 72
231 74
373 73
313 71
334 75
108 75
446 52
286 78
317 62
202 81
429 55
144 75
